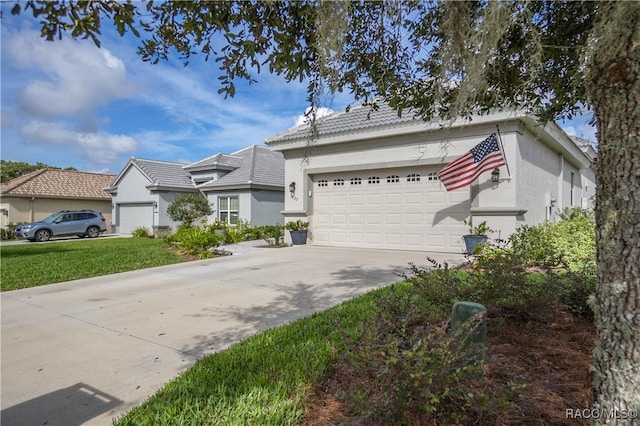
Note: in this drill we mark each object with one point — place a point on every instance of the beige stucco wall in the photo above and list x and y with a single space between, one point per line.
29 209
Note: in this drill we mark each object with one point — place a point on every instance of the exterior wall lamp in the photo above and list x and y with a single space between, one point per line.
495 175
292 188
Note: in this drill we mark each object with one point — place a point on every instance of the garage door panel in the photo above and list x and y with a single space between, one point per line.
393 240
356 200
339 219
414 198
374 200
459 195
411 214
132 216
413 241
437 198
393 219
393 199
374 238
356 219
356 237
413 219
374 219
338 200
322 219
338 237
323 200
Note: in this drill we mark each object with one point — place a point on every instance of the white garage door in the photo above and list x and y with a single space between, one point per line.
132 216
404 209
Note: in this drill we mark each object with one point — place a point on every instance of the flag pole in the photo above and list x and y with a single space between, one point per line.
503 154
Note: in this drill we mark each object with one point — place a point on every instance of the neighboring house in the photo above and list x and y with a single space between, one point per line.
38 194
246 185
369 178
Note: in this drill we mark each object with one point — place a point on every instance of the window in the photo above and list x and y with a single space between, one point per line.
228 210
323 182
338 182
413 177
393 179
432 176
373 180
356 181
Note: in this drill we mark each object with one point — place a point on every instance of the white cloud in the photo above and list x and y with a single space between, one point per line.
67 78
321 112
96 148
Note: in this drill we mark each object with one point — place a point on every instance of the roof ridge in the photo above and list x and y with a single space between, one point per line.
252 162
156 161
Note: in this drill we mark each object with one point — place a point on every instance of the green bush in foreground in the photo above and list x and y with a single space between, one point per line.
194 241
568 243
141 232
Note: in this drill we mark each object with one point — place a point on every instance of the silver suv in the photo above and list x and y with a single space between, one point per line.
83 223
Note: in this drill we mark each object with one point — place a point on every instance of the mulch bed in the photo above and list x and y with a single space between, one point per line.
548 360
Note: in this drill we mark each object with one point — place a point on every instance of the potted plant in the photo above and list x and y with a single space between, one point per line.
477 235
298 231
219 227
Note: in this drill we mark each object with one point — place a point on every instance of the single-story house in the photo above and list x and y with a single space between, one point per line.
245 185
369 178
38 194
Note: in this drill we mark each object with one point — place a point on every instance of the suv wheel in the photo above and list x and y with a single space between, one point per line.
93 232
43 235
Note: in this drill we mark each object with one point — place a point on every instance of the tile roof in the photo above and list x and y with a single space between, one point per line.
222 161
164 173
259 166
53 183
358 118
251 166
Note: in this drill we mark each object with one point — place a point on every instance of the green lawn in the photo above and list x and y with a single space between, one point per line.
35 264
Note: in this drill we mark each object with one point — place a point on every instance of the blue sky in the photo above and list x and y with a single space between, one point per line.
69 104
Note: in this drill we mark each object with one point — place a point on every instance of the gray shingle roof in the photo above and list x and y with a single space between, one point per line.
164 173
358 118
251 166
259 166
222 161
55 183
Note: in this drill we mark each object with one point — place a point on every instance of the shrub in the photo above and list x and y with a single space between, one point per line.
7 234
194 240
570 243
141 232
405 361
272 234
297 225
186 208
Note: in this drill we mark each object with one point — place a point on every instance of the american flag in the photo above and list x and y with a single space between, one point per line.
465 169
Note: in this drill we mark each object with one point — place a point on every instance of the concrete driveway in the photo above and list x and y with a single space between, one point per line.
86 351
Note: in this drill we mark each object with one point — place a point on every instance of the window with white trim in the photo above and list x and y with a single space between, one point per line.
228 210
393 179
373 180
413 177
356 181
323 182
432 176
338 182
